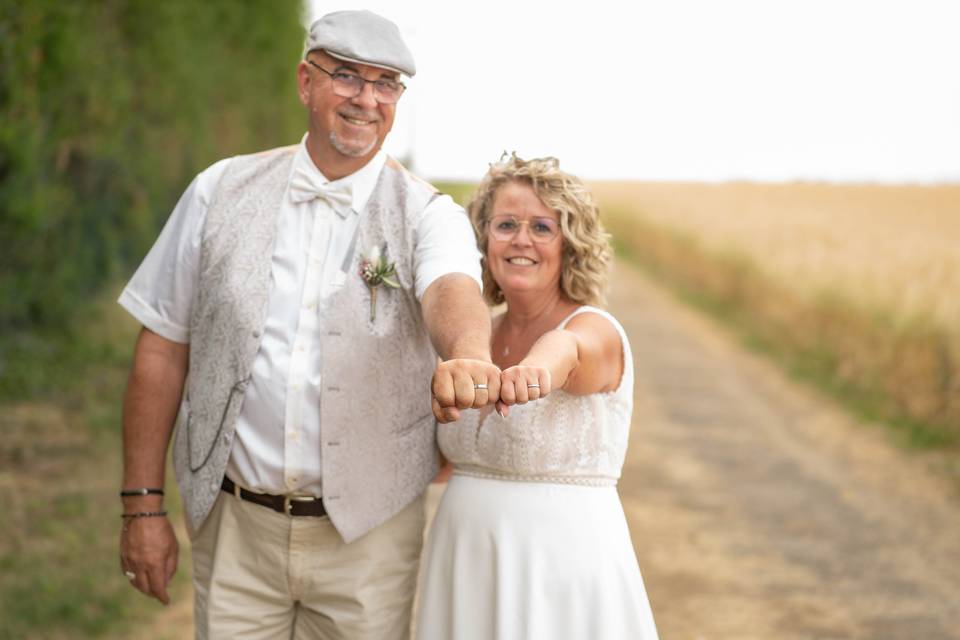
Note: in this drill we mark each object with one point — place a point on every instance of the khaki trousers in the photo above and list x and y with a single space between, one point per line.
262 574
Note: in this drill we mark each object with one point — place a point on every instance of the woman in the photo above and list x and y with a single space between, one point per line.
530 539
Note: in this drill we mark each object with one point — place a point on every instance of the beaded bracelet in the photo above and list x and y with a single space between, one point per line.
127 517
146 491
144 514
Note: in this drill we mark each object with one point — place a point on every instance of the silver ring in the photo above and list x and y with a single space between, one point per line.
533 386
479 386
130 575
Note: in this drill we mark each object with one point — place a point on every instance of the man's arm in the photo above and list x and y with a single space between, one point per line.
148 546
457 318
458 321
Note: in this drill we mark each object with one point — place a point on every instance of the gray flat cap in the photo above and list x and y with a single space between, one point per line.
363 37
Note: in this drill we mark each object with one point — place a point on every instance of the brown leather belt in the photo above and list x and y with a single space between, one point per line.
290 505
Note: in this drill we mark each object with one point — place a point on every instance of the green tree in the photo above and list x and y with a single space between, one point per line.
107 110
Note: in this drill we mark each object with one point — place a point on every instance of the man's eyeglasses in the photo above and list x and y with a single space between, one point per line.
505 228
350 85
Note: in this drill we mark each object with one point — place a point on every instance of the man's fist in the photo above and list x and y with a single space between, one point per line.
463 384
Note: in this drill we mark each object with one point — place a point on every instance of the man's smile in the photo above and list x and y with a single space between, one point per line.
358 122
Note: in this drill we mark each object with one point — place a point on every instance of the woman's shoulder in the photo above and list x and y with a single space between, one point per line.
595 319
604 350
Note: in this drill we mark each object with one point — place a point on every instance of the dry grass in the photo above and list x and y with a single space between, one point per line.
858 286
60 468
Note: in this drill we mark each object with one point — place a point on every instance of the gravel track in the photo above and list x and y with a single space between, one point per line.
760 510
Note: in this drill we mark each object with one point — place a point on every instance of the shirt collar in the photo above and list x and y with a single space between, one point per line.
362 181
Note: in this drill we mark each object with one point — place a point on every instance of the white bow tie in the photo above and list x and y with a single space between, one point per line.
305 186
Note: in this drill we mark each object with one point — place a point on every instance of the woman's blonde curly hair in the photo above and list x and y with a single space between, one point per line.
586 256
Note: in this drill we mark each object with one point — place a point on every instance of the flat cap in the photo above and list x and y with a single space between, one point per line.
362 37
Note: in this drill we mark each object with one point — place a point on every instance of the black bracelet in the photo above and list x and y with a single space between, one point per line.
144 514
126 493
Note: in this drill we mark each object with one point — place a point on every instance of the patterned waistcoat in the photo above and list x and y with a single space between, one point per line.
377 428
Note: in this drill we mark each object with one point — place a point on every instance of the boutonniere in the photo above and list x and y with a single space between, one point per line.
375 270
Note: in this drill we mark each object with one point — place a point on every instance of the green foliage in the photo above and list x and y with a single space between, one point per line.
107 110
461 192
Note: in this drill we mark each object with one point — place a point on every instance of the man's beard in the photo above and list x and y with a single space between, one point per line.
349 149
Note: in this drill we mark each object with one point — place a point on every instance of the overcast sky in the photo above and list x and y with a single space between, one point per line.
682 89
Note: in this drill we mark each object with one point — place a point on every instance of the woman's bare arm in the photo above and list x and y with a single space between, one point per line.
584 357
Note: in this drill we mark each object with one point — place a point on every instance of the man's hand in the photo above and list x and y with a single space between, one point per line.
463 383
521 384
148 550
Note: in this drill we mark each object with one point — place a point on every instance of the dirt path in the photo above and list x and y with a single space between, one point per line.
758 510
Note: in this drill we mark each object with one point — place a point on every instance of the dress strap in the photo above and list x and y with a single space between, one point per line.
582 309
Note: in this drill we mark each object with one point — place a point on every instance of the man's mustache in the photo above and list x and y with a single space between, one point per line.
359 114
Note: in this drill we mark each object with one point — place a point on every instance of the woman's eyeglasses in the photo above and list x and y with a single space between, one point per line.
505 228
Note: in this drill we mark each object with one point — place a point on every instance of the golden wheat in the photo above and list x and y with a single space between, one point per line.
865 280
895 248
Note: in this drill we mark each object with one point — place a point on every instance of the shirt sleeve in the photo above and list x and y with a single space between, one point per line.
445 244
160 294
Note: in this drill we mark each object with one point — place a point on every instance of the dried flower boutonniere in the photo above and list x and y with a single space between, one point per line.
374 269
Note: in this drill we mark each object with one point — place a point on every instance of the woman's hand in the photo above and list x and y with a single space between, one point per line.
521 384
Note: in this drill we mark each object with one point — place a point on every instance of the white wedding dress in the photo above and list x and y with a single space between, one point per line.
530 539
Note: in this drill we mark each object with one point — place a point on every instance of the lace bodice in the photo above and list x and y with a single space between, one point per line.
560 438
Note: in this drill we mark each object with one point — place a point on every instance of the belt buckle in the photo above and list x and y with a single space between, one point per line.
289 500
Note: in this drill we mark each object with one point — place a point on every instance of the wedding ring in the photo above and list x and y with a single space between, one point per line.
130 575
479 386
533 386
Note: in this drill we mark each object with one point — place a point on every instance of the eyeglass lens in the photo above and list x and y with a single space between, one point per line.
540 229
350 85
347 85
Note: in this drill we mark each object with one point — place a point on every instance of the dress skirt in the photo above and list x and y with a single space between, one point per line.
515 560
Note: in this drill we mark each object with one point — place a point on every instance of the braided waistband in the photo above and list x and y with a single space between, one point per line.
491 474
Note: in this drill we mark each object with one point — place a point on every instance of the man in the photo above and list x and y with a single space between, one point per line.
291 308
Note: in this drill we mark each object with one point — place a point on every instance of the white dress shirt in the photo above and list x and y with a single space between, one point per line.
276 448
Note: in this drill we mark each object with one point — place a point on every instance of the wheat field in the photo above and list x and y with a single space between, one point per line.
891 248
865 276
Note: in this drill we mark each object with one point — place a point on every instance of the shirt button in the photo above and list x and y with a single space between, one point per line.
256 334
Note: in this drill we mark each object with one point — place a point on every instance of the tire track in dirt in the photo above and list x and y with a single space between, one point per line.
760 510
